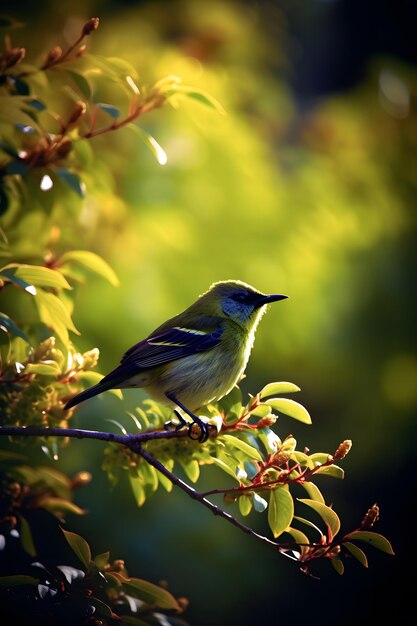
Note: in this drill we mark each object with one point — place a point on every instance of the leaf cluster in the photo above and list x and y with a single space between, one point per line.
64 583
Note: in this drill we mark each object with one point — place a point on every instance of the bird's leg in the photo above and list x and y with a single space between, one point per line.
204 428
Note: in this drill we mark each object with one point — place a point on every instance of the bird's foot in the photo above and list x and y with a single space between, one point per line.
197 429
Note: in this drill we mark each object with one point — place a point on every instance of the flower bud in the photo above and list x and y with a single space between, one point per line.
91 358
280 457
81 479
90 25
342 450
13 57
53 55
267 421
372 515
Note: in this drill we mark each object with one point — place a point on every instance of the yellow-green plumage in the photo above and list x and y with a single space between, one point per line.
197 356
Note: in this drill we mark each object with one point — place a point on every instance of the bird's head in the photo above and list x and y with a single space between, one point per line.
238 301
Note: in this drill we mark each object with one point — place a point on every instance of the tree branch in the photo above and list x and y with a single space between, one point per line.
135 443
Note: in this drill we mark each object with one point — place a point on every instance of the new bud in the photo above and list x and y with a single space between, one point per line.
78 110
372 515
12 57
53 55
342 450
89 26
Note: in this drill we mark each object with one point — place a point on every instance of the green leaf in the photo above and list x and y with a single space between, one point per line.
61 505
300 538
196 94
327 514
225 467
318 458
280 510
113 111
26 536
91 261
102 559
81 83
17 579
79 545
73 181
53 314
308 523
245 505
150 593
338 566
291 408
51 368
313 491
192 469
232 403
10 276
331 470
373 539
158 152
138 491
273 388
249 451
37 275
9 326
356 552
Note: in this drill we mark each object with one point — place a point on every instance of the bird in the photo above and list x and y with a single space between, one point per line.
195 357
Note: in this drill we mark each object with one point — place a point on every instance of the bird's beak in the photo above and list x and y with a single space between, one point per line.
271 298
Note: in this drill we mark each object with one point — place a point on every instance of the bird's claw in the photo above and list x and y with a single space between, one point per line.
197 429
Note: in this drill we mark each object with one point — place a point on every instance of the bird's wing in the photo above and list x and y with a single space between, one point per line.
163 347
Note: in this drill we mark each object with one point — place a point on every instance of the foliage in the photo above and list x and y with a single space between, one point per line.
48 572
50 114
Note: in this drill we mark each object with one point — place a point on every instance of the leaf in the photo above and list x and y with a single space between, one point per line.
313 491
82 83
61 505
102 559
54 314
36 104
26 536
259 504
10 276
280 510
249 451
273 388
37 275
71 573
331 470
308 523
245 505
113 111
232 403
79 545
373 539
192 469
44 369
270 440
9 326
225 467
17 579
196 94
356 552
291 408
150 593
138 491
300 538
91 261
73 181
327 514
338 566
158 152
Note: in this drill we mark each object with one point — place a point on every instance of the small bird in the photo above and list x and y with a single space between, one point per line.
197 356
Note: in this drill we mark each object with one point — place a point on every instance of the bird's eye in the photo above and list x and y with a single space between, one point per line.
240 297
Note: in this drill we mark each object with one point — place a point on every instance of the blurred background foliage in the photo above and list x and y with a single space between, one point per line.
307 186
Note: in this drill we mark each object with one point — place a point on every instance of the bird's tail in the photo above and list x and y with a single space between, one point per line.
88 393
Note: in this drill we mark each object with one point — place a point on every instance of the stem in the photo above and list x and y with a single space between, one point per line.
196 495
77 433
134 442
